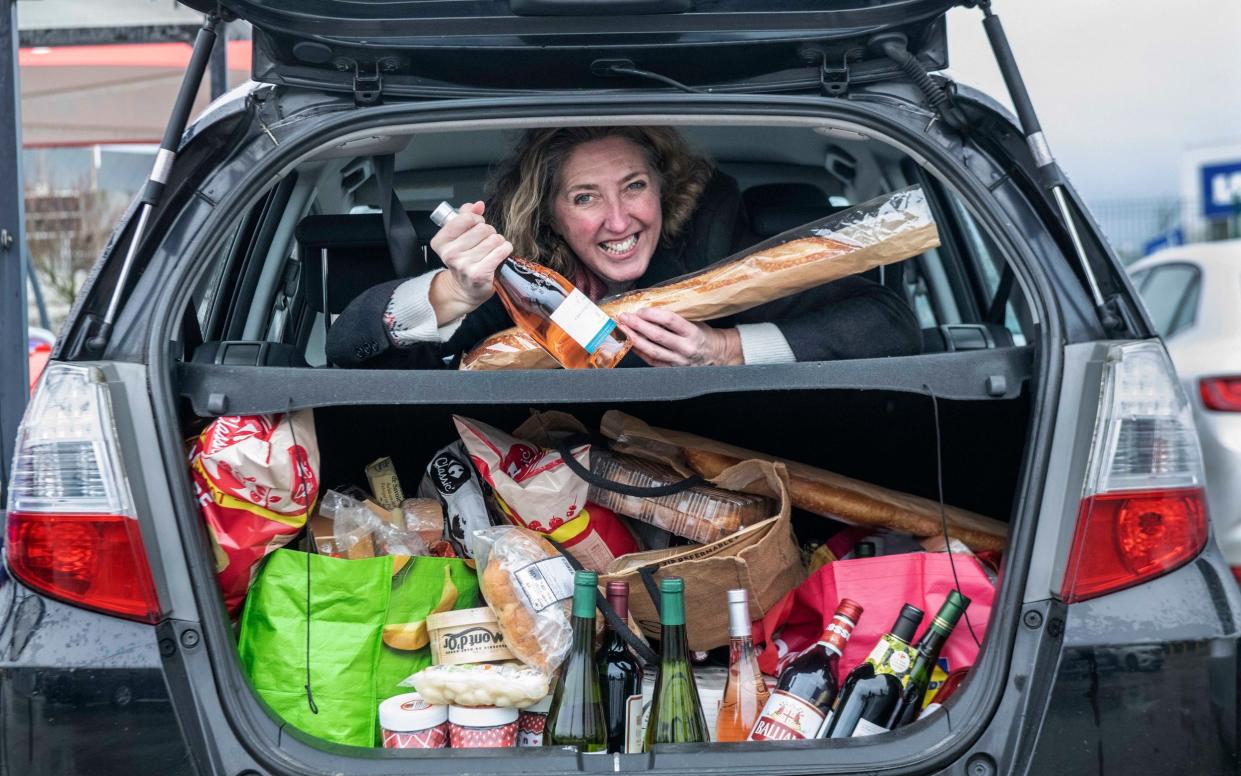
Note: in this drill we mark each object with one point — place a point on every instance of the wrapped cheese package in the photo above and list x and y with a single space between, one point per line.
885 230
702 514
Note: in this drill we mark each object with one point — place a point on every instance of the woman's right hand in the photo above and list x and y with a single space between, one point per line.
471 250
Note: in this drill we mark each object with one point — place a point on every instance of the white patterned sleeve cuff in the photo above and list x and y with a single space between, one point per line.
764 343
410 318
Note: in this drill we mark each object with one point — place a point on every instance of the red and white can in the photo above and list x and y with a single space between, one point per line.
479 727
531 721
409 722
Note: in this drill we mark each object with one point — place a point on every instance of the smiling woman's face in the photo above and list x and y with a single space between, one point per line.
607 208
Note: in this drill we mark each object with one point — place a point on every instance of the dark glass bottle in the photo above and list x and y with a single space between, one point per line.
620 678
676 711
929 647
807 688
576 714
872 691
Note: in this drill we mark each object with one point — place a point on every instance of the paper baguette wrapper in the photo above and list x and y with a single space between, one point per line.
810 488
883 231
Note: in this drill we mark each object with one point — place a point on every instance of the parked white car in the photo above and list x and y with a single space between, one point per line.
1193 295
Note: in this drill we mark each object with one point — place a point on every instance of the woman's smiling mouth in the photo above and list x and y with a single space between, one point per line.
620 247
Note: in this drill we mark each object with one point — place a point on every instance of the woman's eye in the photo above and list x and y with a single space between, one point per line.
581 199
637 186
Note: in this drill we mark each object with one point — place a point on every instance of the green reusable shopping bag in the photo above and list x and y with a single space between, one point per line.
351 669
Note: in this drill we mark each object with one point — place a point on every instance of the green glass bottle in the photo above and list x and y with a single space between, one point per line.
929 647
676 711
873 689
576 714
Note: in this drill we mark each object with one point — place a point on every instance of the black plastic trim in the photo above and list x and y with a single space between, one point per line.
217 389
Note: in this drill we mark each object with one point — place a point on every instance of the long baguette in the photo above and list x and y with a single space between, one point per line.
866 504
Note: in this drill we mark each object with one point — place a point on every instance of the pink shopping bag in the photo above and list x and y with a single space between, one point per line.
881 585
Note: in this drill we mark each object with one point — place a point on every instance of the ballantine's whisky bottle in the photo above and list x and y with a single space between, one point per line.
545 305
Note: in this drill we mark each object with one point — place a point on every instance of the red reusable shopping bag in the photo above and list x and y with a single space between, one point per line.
881 585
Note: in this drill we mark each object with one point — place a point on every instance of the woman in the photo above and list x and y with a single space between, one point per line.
610 208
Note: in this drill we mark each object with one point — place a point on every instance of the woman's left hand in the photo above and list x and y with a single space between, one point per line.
663 338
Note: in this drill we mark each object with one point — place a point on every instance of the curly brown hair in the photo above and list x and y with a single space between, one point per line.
524 185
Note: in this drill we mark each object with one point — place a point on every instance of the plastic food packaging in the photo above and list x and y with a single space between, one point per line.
884 230
425 517
360 532
255 478
536 489
482 728
528 585
480 684
703 514
451 480
409 722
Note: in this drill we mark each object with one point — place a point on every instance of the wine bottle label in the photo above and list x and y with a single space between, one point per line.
545 582
892 656
633 724
867 728
583 321
787 718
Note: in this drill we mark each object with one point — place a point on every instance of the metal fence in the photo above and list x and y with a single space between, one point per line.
1133 225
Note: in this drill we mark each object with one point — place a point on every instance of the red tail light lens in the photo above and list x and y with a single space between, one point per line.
1222 394
1143 509
1123 539
94 561
72 530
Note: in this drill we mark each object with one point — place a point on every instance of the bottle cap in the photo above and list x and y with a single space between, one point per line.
672 601
907 623
584 584
442 212
864 550
849 608
402 713
739 613
951 611
618 598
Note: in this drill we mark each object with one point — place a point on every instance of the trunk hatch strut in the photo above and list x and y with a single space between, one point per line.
154 189
1049 171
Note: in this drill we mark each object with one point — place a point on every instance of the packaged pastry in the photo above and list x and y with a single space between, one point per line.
480 684
702 514
528 585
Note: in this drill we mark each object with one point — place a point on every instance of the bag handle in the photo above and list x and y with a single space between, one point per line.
565 448
609 614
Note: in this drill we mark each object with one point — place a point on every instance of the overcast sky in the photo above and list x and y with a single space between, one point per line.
1121 87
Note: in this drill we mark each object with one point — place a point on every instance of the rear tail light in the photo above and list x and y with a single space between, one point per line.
72 532
1143 511
1222 394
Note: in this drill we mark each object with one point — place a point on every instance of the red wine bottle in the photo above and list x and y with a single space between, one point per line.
620 679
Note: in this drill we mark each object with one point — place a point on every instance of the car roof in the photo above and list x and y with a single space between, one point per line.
1221 254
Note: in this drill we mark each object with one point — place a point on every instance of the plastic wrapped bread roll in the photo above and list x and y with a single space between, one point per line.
528 584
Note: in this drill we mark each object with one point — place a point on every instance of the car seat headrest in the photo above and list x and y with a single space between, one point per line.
778 207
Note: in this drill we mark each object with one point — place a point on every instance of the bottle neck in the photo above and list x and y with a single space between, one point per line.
583 635
674 644
929 647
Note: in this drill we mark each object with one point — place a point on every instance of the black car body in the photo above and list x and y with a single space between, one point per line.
1135 673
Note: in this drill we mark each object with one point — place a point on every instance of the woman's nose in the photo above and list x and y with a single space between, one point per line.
617 218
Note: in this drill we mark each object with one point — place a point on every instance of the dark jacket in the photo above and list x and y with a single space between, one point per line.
850 318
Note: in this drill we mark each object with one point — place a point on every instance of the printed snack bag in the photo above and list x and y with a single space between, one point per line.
255 478
535 489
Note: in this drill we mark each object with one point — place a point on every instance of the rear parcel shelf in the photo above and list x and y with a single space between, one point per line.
216 389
